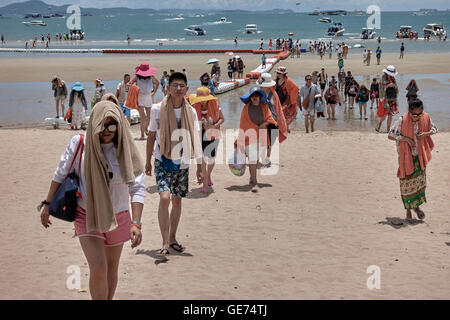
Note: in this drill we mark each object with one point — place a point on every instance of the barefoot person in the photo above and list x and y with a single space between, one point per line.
172 164
273 102
414 145
60 94
110 172
211 118
255 116
78 105
387 102
148 86
332 98
307 94
287 91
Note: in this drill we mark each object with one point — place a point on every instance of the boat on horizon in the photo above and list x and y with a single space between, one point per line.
34 23
325 20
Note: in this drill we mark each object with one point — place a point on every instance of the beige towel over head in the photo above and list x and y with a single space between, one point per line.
99 210
189 132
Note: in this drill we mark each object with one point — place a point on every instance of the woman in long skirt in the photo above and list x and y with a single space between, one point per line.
412 133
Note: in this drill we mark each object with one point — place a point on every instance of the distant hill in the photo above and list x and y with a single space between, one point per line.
37 6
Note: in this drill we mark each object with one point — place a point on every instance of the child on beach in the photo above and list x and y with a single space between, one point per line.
318 105
374 92
78 105
363 97
121 95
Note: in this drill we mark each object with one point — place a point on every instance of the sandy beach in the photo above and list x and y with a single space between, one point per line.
112 67
311 232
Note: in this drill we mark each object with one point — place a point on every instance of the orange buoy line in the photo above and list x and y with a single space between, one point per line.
178 51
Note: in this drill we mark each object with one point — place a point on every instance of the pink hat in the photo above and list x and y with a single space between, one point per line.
144 70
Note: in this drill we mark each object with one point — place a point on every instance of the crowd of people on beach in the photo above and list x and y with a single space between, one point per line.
183 127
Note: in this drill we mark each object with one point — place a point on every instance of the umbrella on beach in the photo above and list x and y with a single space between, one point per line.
213 60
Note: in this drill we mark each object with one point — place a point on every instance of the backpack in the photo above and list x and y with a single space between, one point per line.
391 93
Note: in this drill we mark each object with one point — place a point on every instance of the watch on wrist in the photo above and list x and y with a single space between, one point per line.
136 223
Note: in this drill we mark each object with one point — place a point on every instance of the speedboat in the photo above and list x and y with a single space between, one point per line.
435 30
337 30
325 20
223 20
35 23
405 32
251 28
195 31
367 33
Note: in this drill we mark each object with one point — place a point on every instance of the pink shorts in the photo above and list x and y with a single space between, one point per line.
119 235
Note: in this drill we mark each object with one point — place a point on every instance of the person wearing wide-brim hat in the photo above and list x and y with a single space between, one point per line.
211 118
387 101
148 86
255 116
78 106
287 91
268 85
60 94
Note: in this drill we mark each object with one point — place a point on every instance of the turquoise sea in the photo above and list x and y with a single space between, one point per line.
154 30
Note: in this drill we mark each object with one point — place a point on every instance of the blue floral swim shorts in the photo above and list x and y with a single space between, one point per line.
176 182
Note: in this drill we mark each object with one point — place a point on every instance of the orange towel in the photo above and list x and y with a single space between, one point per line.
292 89
424 146
247 137
214 113
132 98
281 120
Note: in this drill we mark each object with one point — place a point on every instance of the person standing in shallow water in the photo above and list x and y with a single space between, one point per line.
412 132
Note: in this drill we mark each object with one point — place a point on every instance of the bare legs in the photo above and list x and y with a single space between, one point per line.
309 120
389 116
103 267
363 107
168 224
58 101
144 114
331 111
207 168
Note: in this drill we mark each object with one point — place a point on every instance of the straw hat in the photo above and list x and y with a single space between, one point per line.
390 70
144 70
266 81
203 94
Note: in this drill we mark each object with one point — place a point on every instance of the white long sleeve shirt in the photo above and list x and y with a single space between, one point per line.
119 191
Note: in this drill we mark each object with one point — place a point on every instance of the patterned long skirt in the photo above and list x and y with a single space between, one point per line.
290 113
412 187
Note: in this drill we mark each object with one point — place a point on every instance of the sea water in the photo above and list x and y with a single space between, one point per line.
29 103
167 30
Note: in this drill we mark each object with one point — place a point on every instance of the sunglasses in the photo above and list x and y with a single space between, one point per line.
417 114
110 127
308 79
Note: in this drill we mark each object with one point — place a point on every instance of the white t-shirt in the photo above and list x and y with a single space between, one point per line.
154 126
119 191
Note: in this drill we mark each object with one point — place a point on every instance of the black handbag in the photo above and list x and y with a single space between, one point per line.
64 204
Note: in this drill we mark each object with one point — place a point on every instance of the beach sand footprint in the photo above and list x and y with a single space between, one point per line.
398 223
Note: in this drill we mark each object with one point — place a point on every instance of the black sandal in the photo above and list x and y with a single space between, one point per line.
177 247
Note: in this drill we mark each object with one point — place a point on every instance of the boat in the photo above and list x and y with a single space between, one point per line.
315 13
223 20
195 30
251 28
35 23
325 20
337 30
290 34
367 33
334 13
359 12
405 32
434 30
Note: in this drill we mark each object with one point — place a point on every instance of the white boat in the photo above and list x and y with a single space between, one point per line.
251 28
195 31
367 33
325 20
223 20
35 23
405 32
337 30
434 30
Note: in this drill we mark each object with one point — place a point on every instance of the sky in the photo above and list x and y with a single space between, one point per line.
305 5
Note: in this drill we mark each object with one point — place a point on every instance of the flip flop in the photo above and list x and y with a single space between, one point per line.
204 190
163 252
177 247
420 214
210 183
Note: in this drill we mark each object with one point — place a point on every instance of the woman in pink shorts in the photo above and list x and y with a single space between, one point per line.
110 172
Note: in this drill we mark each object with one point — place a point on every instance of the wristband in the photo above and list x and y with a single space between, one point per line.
138 224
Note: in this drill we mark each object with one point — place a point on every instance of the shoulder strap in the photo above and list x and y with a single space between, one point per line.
81 153
76 152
